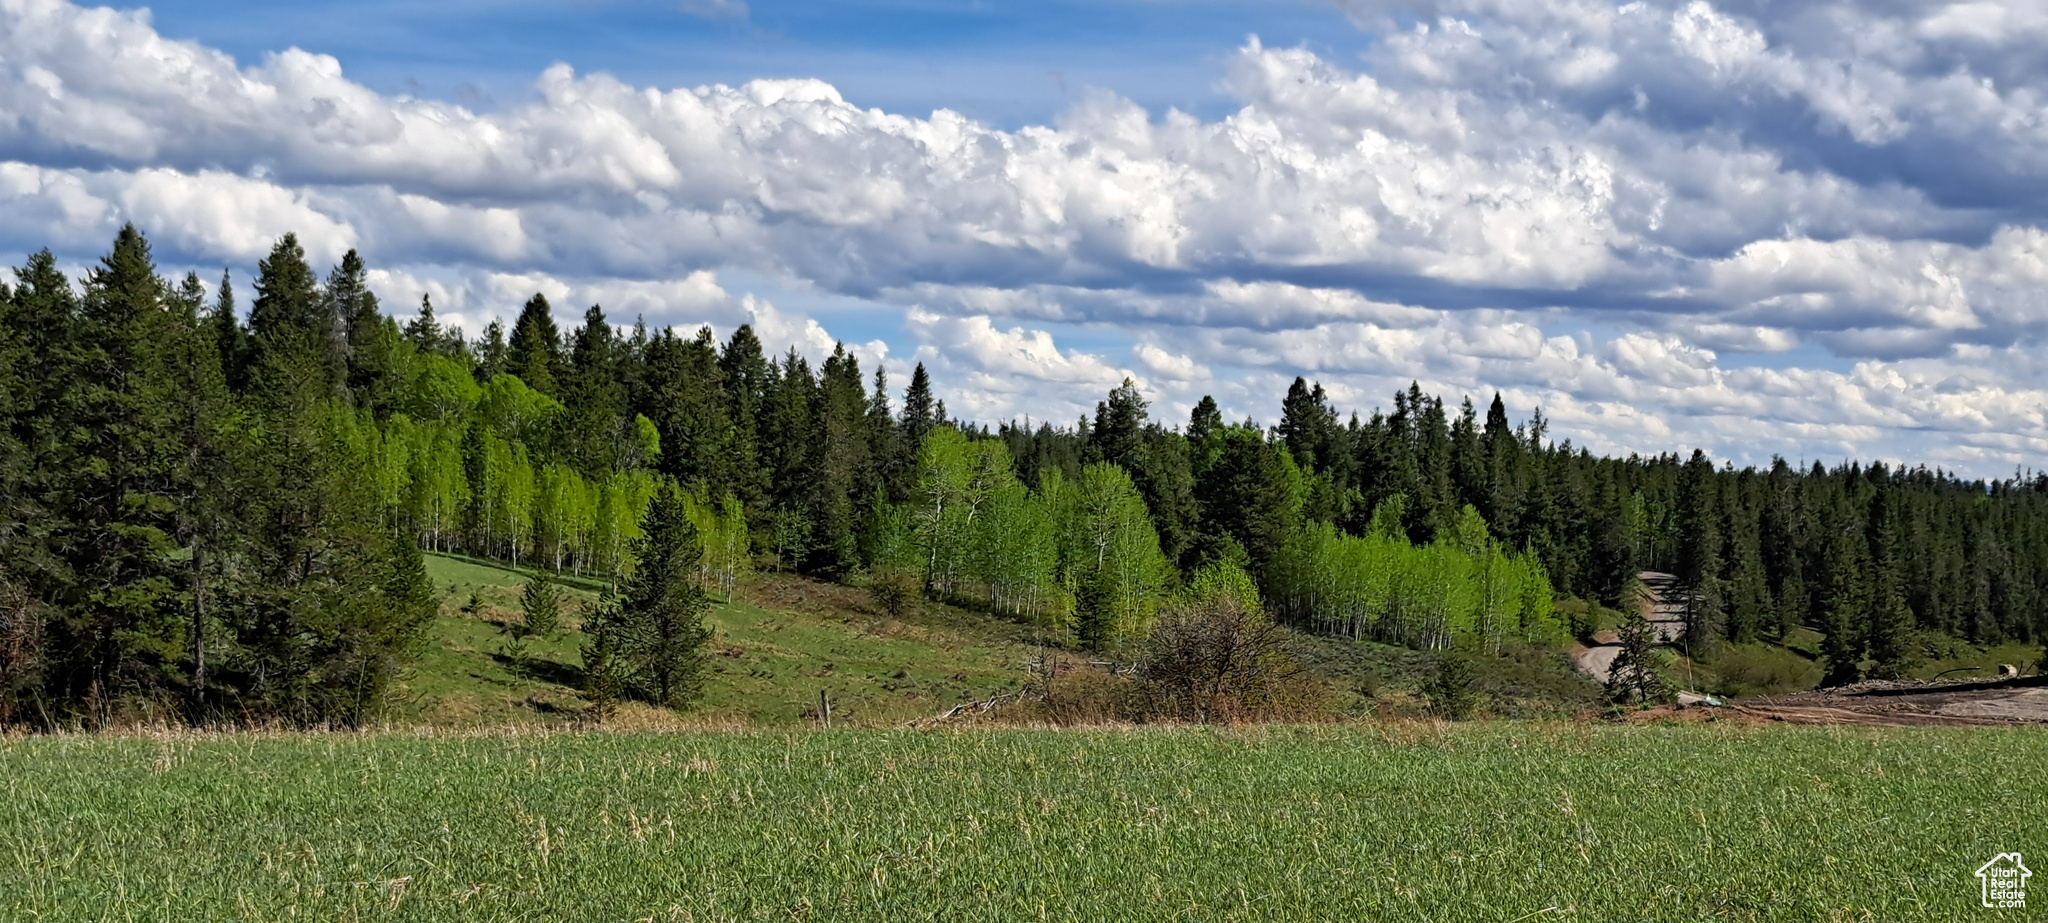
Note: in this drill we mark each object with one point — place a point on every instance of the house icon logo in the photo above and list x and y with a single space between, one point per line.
2004 881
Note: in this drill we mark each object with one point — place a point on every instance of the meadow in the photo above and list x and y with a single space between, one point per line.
1496 821
780 643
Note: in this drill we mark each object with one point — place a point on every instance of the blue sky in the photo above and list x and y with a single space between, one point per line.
1817 230
1010 64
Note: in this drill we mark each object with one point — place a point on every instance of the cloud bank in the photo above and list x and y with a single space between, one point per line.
1807 229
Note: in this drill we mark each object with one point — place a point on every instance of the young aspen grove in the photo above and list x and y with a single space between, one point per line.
212 518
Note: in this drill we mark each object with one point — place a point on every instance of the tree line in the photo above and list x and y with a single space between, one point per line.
212 517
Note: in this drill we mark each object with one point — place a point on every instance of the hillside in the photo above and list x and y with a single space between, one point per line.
785 638
781 641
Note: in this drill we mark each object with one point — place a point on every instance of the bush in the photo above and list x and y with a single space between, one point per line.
1073 694
1758 669
1450 690
1586 618
1221 661
895 591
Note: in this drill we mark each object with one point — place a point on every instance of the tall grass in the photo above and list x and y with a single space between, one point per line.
1412 822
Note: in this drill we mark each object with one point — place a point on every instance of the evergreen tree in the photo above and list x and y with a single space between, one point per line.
1633 679
124 498
1205 421
1844 604
1251 495
1890 640
535 352
1700 553
651 638
294 339
425 333
1166 480
595 429
1118 434
491 351
745 376
1308 426
369 339
920 414
687 404
540 605
231 341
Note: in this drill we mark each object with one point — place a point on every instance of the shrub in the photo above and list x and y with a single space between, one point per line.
1450 690
1220 661
1757 669
1081 695
894 591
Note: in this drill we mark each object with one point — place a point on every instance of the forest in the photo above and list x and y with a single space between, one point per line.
209 517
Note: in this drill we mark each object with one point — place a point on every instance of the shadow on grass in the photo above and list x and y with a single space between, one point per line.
540 670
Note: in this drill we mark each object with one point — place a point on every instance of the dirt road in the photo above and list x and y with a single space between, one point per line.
1663 607
1911 703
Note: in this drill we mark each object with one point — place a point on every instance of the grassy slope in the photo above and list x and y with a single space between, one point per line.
1486 822
786 638
781 642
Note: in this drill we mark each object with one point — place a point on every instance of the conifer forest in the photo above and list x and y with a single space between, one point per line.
210 514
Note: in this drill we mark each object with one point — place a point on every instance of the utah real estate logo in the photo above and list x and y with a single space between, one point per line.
2004 881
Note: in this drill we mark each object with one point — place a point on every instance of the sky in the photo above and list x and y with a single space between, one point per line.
1816 230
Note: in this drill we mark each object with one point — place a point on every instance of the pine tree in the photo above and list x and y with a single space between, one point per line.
491 350
919 412
1633 678
1251 496
1890 640
125 496
1166 479
294 340
1118 434
1308 426
424 332
231 341
1700 554
1843 610
540 605
595 430
1450 690
535 352
369 339
745 377
651 638
1206 420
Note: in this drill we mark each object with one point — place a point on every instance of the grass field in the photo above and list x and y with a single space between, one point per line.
777 646
1488 822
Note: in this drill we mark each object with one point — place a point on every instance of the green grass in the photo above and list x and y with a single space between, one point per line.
1491 822
782 642
1517 681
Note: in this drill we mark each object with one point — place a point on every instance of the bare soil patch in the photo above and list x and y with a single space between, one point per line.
1911 703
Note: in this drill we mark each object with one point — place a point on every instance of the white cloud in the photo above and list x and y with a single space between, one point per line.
1589 205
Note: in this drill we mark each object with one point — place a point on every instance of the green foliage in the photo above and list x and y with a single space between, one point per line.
650 639
1890 641
1450 690
541 606
534 354
1759 669
894 591
1633 679
1111 558
1379 586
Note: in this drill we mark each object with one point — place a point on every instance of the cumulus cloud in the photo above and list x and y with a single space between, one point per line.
1754 227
